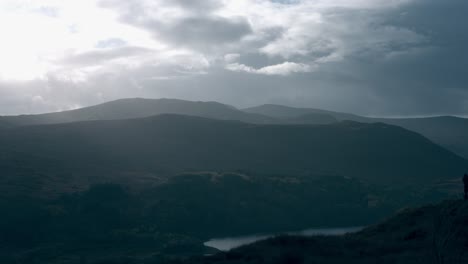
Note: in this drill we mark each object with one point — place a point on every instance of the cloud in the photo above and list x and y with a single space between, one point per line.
188 24
48 11
285 68
111 43
100 56
378 57
201 32
197 5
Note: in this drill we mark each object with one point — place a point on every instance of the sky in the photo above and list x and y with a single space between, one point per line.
369 57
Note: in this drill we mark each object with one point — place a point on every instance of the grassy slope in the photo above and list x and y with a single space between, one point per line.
447 131
137 108
67 156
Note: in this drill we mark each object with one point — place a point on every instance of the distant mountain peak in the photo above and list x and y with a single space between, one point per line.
137 108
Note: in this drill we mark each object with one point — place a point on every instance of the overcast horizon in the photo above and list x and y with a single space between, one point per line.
368 57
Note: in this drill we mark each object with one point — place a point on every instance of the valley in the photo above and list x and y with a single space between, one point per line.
154 184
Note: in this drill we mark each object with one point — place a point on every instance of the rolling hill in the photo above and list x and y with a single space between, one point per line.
447 131
136 108
159 186
287 112
62 154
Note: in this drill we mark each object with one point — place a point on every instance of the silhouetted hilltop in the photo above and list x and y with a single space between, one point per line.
137 108
286 112
447 131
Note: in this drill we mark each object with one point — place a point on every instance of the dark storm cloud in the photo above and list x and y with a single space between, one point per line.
200 32
198 28
426 79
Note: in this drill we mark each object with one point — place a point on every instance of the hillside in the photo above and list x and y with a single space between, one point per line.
77 154
287 112
137 108
447 131
112 223
432 234
156 187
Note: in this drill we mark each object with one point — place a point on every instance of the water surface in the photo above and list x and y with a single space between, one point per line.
228 243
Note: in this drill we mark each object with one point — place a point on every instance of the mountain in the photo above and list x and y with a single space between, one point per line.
431 234
287 112
128 190
136 108
83 152
139 107
310 118
447 131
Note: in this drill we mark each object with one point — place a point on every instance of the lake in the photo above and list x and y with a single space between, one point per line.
228 243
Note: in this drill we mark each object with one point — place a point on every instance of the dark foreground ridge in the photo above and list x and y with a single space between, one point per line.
110 224
432 234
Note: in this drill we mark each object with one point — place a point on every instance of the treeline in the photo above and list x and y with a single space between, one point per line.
176 217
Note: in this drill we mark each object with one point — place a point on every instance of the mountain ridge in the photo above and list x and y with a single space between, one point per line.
166 144
447 131
136 108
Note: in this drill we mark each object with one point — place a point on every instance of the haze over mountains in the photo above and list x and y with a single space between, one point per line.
168 174
143 141
135 108
153 181
449 132
377 153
